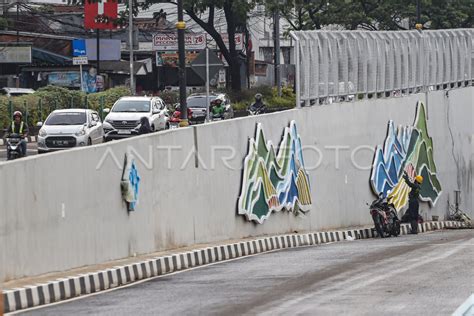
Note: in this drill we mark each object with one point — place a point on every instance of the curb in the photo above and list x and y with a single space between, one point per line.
74 286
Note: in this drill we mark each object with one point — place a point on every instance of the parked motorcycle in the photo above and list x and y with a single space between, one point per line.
385 217
13 147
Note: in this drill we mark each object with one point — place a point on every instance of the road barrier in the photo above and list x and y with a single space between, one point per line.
352 64
73 214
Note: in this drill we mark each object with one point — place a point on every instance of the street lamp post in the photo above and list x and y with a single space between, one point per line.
418 24
181 26
130 40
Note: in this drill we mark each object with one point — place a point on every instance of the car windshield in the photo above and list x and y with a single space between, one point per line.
139 106
18 94
67 118
199 102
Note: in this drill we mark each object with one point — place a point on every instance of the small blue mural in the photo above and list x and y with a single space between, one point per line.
130 184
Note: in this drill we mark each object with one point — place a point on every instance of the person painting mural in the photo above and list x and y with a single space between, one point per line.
413 203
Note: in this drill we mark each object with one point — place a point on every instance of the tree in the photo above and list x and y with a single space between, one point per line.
236 15
376 14
203 13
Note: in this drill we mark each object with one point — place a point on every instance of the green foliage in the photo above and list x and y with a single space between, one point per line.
3 23
37 106
245 98
170 97
375 14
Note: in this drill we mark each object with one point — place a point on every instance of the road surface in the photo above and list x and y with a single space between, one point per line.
32 150
428 274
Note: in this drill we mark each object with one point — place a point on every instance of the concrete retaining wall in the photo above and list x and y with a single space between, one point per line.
65 210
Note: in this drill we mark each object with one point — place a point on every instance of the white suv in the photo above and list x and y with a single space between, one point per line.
124 118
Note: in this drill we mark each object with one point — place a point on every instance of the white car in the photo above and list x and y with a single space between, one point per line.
16 92
124 118
70 128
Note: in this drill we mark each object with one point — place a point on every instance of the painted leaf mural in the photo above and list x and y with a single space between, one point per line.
410 149
273 182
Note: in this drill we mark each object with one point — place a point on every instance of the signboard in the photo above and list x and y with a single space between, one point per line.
199 65
72 79
78 47
109 49
171 59
239 40
80 60
15 54
100 14
69 79
169 41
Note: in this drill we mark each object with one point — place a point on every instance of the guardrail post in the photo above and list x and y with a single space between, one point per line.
297 69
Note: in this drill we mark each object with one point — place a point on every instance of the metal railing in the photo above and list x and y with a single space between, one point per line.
345 65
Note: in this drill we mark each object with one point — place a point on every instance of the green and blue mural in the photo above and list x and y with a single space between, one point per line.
130 184
274 182
406 149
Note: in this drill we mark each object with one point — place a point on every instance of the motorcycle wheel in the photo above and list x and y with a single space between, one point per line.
379 226
396 228
395 231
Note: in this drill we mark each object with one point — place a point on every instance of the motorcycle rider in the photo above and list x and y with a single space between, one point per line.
413 204
18 126
258 106
217 108
145 127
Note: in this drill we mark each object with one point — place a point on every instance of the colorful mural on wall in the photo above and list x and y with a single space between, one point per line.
130 184
273 182
410 149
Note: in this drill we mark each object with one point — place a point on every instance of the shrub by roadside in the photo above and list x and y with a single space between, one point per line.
37 106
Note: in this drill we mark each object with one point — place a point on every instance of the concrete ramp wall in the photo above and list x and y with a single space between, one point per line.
65 210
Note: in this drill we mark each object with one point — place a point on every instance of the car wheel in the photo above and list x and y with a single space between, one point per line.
89 142
153 129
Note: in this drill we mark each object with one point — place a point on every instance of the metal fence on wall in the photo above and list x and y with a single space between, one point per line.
342 65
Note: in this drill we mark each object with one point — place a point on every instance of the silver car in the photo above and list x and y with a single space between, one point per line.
70 128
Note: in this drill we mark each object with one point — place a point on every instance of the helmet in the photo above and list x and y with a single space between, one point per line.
17 113
419 179
258 96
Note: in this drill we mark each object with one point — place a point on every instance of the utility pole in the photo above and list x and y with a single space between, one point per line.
17 23
418 24
247 53
276 38
130 39
98 51
181 26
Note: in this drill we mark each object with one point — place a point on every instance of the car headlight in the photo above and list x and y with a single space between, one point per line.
82 132
107 125
42 133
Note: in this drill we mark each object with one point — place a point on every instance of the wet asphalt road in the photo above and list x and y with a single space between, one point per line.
428 274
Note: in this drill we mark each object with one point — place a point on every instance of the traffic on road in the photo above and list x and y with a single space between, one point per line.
129 116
